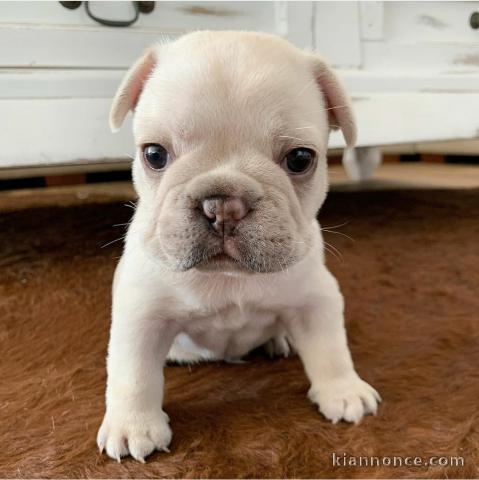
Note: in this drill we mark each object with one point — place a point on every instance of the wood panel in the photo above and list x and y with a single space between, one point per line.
62 130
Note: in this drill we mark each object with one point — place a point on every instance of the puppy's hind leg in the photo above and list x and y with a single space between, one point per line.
279 346
184 350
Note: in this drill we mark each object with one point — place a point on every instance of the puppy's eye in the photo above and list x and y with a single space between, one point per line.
156 156
298 161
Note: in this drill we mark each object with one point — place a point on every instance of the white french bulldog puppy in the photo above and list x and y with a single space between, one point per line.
224 252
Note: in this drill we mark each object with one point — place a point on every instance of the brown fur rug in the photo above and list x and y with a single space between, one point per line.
410 278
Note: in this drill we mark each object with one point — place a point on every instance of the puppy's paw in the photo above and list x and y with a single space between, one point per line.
134 433
345 398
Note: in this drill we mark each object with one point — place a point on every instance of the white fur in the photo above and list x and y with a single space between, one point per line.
190 316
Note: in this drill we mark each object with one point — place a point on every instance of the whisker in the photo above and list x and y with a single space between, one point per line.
333 248
328 108
331 252
339 225
113 241
294 138
336 250
130 205
308 85
338 233
337 106
330 230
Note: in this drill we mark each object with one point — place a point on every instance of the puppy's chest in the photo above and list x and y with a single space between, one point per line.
229 318
232 330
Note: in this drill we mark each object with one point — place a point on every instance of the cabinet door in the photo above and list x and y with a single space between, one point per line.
415 77
337 34
421 36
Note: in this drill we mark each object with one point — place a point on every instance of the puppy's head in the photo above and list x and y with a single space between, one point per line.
232 131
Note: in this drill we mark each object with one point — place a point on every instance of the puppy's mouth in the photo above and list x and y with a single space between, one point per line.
222 262
249 250
221 259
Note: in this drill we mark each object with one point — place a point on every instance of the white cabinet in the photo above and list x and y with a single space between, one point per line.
414 76
59 69
412 68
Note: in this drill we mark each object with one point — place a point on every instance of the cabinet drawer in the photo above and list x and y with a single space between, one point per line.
46 34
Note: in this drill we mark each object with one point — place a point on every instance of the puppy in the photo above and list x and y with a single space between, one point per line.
224 252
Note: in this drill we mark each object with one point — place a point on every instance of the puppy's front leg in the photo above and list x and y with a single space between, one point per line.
134 421
319 337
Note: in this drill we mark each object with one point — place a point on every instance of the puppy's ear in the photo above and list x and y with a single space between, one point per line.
131 87
337 101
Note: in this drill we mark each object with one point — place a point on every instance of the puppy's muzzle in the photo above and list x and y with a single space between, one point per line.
224 213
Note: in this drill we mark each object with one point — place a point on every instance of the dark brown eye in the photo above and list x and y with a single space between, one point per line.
298 161
156 156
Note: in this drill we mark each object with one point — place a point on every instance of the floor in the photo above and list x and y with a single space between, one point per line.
387 176
409 277
411 175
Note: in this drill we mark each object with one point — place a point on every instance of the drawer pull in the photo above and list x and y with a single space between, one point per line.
474 20
71 5
143 7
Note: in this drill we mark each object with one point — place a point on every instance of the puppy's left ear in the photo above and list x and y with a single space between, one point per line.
337 101
131 87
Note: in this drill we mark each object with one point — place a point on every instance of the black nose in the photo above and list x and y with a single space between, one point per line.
224 213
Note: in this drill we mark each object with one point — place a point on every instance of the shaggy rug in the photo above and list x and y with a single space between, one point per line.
410 277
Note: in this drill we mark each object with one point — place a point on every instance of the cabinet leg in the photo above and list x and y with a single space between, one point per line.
360 163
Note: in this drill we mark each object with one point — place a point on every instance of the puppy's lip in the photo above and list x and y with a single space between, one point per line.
221 257
222 262
228 252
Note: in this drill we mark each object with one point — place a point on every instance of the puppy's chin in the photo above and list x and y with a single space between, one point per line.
223 263
220 262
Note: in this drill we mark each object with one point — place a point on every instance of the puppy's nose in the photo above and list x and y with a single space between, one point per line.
224 213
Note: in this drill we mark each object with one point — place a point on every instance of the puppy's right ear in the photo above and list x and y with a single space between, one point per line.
131 87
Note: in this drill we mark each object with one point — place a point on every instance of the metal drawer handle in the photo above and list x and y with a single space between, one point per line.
474 20
113 23
143 7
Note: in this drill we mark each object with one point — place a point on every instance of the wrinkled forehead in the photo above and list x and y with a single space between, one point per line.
195 98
